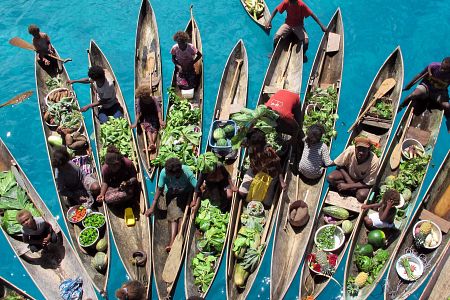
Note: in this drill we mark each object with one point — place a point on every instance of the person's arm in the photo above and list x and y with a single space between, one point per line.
198 56
150 211
385 214
268 25
416 79
313 15
162 124
197 190
138 114
176 63
326 160
370 206
103 190
81 80
48 237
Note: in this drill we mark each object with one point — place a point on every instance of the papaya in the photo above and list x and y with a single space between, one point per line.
240 275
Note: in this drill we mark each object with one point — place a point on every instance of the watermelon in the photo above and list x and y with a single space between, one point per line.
218 134
377 238
347 226
222 142
229 130
364 250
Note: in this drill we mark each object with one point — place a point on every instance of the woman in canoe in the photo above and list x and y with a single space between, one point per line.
184 56
41 43
216 185
36 232
175 185
119 178
263 158
105 92
148 112
78 185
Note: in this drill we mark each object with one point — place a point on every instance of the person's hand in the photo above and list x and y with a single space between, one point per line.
134 125
45 241
84 108
390 202
268 25
193 203
162 124
69 81
100 198
179 68
149 212
324 29
46 61
283 184
342 187
234 189
364 207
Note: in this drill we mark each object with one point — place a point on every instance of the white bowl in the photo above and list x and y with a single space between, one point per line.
413 260
94 242
57 90
433 226
339 237
410 142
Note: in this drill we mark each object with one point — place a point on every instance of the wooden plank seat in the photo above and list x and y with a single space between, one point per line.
347 202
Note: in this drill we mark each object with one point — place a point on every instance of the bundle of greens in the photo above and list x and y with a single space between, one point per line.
255 8
117 132
181 136
64 113
13 199
371 266
207 162
53 83
203 270
324 106
382 109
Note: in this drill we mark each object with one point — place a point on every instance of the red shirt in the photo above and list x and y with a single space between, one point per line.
295 13
283 102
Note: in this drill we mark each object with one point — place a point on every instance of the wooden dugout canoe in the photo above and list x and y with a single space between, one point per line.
161 233
128 240
59 262
395 286
147 71
100 280
429 122
9 289
232 92
262 21
289 243
380 132
284 72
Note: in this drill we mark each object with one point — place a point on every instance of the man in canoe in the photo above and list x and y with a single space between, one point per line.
297 11
357 169
131 290
184 56
105 92
36 232
41 43
432 91
287 105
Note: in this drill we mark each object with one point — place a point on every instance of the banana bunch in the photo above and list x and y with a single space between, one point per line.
206 162
255 8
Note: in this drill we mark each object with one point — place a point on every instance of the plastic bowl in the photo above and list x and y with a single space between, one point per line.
339 237
95 213
71 212
433 226
410 142
255 204
413 260
94 242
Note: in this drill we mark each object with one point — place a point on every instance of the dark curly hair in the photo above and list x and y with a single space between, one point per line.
33 29
446 60
256 137
181 37
113 155
172 165
96 72
60 157
393 195
131 290
314 131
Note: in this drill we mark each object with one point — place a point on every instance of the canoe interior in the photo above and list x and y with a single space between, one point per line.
262 21
59 262
134 238
147 71
99 279
392 67
428 121
9 289
228 93
395 286
438 286
161 231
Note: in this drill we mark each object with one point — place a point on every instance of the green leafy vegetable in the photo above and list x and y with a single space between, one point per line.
117 132
382 109
88 236
94 220
325 238
364 263
53 83
203 270
206 162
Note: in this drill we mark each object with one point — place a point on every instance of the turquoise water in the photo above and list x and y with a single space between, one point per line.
372 30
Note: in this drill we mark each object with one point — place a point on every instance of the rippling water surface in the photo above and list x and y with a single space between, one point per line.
372 30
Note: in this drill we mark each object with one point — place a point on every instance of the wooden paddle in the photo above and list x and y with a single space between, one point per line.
18 42
170 271
225 113
394 160
387 85
147 156
18 98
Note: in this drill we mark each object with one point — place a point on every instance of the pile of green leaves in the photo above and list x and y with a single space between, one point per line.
382 109
213 225
65 113
12 295
12 199
207 162
53 83
324 113
372 266
181 136
117 132
262 118
88 236
325 238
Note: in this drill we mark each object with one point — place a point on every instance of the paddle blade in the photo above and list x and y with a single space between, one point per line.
170 271
385 87
395 157
18 99
18 42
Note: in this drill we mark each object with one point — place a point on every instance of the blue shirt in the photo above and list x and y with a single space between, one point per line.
184 183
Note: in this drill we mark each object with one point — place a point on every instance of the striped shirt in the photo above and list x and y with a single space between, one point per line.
314 158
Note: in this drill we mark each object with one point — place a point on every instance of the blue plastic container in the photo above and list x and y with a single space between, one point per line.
212 143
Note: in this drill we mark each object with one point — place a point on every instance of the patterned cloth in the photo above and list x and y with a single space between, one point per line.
314 158
267 161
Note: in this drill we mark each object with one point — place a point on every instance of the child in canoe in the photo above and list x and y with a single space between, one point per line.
385 216
37 233
184 56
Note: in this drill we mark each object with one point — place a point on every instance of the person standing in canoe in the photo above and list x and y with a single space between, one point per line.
184 56
105 92
148 112
176 183
287 105
41 43
297 11
36 232
357 169
432 91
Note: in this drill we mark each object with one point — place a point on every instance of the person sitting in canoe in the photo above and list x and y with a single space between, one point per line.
432 91
119 178
176 183
73 182
131 290
105 92
41 42
297 11
217 186
184 56
385 216
148 112
287 105
315 155
36 232
263 158
357 169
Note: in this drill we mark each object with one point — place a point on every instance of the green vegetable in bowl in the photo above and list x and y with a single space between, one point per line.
94 220
88 236
325 238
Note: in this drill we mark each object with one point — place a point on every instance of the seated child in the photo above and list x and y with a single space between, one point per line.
384 217
37 233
